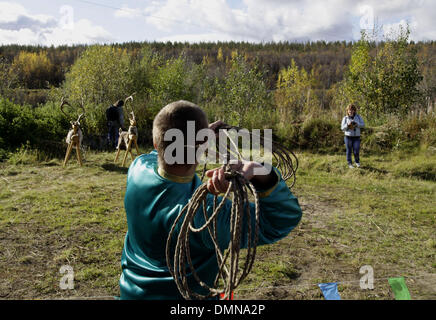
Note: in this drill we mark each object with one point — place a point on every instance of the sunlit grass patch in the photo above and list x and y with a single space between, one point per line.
376 215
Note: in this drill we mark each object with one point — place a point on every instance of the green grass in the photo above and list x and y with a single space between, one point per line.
381 215
52 216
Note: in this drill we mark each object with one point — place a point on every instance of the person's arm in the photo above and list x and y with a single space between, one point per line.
344 124
280 211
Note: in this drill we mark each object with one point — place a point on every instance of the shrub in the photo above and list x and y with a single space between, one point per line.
17 124
321 134
4 154
288 135
43 127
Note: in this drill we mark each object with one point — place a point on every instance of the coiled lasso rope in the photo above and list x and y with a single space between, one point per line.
287 161
229 271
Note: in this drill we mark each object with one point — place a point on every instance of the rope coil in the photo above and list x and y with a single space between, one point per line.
287 161
229 272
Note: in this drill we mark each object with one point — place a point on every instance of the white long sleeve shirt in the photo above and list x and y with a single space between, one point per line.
352 132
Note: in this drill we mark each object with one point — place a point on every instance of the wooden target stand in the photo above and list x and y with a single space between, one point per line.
132 140
73 144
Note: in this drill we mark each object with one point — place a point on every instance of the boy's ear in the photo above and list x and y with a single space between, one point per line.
154 145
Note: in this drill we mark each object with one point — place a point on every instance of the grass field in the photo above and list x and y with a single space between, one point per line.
382 215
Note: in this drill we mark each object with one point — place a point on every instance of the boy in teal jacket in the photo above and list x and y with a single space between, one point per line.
157 191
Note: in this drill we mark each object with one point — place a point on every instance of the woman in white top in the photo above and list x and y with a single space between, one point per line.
351 125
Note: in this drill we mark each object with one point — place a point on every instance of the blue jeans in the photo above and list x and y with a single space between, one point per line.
352 144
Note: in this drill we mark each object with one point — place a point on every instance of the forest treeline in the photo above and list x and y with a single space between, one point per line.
299 90
328 60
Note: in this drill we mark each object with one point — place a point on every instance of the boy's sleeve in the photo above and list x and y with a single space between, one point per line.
279 213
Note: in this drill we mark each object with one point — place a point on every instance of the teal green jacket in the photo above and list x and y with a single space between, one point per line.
152 202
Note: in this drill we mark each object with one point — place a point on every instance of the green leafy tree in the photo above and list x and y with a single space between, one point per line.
101 75
33 70
294 95
242 97
7 78
387 81
144 69
173 80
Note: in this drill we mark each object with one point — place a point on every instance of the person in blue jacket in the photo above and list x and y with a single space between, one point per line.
351 125
157 191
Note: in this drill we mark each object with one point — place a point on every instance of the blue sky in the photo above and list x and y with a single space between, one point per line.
54 22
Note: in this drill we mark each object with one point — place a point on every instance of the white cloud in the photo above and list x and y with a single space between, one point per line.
222 20
14 17
275 20
82 32
18 26
419 14
257 20
129 13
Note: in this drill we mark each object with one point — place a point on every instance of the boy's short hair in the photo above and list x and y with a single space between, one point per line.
351 107
176 116
119 103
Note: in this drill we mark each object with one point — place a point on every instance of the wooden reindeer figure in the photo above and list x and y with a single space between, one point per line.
128 137
74 136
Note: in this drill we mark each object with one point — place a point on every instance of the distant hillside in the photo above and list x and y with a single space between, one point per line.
328 60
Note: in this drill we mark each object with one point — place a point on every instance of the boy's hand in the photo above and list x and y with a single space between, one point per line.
219 184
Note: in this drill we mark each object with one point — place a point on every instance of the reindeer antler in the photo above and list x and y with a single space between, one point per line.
125 103
82 105
80 116
64 102
129 97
